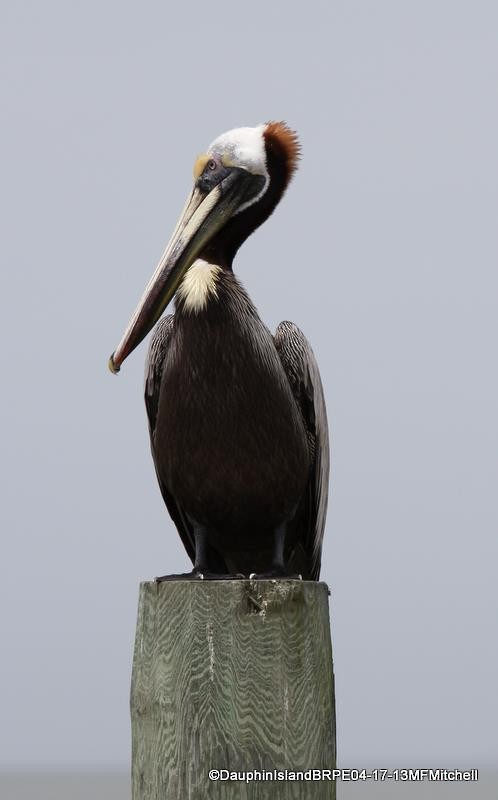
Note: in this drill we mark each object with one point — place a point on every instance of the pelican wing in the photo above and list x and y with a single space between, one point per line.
302 371
156 356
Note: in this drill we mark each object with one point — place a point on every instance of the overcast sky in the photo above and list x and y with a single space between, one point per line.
384 252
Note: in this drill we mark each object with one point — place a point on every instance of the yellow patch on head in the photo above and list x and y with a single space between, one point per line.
200 163
227 161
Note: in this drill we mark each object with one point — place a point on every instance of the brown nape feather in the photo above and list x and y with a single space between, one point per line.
282 154
282 142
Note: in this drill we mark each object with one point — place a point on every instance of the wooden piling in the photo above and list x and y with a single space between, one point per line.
237 676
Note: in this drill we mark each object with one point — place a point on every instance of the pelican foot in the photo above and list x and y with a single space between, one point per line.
197 575
183 576
214 576
274 575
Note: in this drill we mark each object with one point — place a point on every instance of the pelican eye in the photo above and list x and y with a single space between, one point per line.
212 164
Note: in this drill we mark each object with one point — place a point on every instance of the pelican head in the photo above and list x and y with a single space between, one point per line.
238 182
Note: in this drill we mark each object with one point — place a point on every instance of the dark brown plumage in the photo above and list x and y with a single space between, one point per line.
237 446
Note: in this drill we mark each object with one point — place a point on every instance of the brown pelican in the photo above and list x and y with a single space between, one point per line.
237 417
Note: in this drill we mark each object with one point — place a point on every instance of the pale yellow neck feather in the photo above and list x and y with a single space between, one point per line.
199 283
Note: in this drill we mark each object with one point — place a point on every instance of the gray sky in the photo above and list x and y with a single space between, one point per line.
384 252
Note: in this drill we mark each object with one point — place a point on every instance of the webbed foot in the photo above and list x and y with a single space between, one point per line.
201 575
274 574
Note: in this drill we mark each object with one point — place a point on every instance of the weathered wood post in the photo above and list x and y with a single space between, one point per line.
232 675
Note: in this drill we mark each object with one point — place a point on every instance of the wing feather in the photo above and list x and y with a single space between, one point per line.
301 369
158 349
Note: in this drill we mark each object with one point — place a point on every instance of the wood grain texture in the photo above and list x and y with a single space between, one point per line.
235 675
